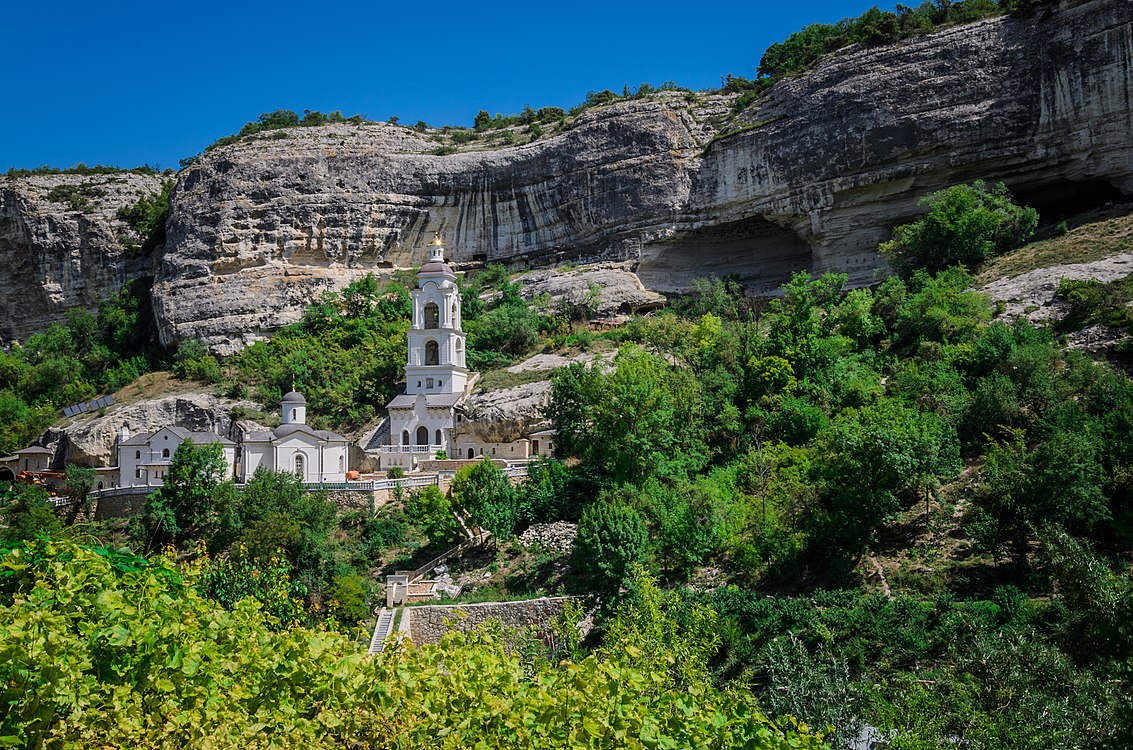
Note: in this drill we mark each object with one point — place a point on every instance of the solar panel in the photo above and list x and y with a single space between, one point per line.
93 405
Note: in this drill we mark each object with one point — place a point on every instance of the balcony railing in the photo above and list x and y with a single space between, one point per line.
411 448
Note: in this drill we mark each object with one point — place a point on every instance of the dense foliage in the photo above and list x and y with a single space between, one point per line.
875 27
964 225
100 647
74 361
148 217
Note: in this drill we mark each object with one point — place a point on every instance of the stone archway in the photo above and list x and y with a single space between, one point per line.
6 475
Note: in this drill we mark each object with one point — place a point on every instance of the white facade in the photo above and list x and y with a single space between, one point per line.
143 460
421 420
295 447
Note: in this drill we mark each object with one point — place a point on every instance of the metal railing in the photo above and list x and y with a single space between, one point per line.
369 485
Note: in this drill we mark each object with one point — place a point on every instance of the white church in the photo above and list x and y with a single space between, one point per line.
422 419
316 456
295 447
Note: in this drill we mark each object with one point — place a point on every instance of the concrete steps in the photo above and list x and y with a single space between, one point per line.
382 630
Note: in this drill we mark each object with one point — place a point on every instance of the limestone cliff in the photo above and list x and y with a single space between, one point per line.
63 246
826 164
829 163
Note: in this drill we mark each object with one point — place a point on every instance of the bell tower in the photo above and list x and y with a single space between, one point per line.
435 364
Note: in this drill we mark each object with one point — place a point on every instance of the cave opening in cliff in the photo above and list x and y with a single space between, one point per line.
1062 198
760 253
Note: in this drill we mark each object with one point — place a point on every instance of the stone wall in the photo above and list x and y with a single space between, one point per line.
348 501
120 506
427 623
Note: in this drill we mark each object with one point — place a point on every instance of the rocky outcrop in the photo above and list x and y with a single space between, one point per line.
828 163
825 164
90 439
62 245
260 228
602 289
1032 295
837 157
507 414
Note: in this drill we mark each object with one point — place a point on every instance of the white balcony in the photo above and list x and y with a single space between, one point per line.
411 448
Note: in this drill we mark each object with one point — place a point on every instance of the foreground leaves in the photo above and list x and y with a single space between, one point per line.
104 649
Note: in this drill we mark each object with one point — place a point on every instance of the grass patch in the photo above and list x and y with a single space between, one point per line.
498 380
1091 236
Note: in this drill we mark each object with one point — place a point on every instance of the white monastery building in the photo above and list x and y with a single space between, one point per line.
143 460
422 418
315 455
296 448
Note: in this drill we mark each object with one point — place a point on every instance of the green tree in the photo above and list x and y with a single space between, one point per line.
485 493
27 514
872 457
80 483
431 512
192 497
611 538
643 419
965 225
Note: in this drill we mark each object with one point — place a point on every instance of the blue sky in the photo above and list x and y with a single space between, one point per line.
128 83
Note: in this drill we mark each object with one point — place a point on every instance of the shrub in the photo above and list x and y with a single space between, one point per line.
611 538
965 225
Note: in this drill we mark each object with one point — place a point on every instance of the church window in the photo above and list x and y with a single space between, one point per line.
418 383
100 485
294 412
432 315
422 435
137 455
428 382
438 438
137 473
471 453
299 465
440 383
341 464
405 437
165 453
432 353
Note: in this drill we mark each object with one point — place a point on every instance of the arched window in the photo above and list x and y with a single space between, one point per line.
405 437
453 314
432 353
294 414
471 453
137 455
438 438
432 315
100 485
299 465
341 464
422 435
165 453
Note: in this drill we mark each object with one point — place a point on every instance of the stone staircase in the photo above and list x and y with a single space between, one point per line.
382 630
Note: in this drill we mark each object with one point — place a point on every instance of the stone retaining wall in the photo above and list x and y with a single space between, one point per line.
427 623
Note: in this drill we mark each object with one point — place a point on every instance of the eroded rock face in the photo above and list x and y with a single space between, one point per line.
834 160
829 163
842 154
260 228
54 257
90 439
